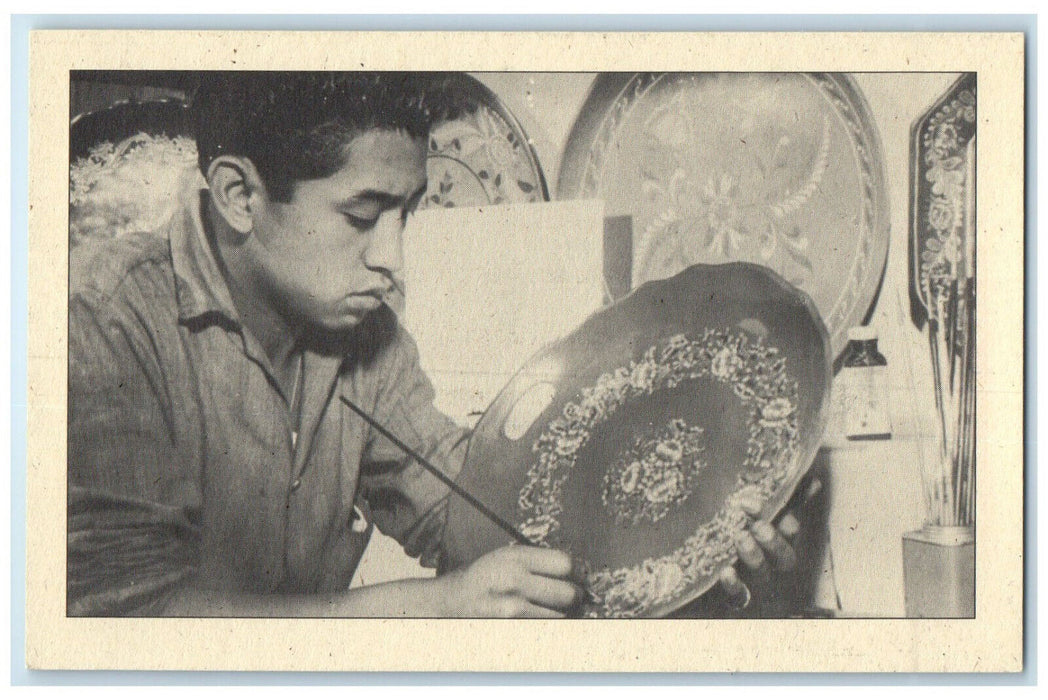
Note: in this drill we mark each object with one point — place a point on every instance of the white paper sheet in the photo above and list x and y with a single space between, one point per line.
488 287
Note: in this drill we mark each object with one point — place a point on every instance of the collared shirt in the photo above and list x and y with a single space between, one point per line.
181 460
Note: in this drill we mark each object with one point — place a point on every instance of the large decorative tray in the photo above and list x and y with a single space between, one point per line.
628 442
780 169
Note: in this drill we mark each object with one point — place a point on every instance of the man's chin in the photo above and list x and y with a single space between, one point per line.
359 333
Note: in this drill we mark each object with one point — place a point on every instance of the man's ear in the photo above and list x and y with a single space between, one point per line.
237 191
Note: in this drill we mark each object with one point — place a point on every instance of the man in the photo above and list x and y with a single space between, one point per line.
215 467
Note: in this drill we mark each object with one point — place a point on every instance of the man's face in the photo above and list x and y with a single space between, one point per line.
328 257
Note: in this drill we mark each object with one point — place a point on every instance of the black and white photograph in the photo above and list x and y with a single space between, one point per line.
689 345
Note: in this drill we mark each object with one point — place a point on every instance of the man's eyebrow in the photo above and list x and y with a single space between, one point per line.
383 199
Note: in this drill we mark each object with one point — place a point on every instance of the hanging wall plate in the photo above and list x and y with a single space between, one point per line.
779 169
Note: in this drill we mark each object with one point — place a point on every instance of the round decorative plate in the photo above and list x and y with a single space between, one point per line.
779 169
630 442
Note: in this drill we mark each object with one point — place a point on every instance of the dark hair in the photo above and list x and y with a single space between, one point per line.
295 125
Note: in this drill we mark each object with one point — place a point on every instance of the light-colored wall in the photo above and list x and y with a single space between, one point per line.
875 487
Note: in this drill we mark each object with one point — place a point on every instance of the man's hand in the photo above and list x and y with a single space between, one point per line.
514 581
762 584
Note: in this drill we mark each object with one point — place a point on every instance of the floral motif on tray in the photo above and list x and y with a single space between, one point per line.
742 214
657 471
128 186
757 376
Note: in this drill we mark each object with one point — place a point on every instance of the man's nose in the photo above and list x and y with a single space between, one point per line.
385 250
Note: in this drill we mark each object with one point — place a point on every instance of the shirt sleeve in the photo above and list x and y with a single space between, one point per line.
406 502
130 543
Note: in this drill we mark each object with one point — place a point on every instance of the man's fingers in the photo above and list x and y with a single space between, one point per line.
789 526
730 582
750 553
813 489
545 562
774 546
737 593
750 501
550 592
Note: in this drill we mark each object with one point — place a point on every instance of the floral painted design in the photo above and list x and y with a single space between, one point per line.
758 377
729 167
944 142
657 471
133 185
480 159
729 215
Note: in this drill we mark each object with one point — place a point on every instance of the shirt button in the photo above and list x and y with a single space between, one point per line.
295 484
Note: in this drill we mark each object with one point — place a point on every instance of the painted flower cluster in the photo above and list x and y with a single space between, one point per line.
657 471
744 215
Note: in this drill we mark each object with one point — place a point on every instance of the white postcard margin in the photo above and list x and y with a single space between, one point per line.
990 642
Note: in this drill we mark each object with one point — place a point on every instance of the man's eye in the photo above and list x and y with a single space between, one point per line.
360 222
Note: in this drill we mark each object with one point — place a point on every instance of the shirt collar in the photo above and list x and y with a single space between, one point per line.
199 283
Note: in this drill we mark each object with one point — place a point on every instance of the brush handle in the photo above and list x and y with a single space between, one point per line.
424 463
